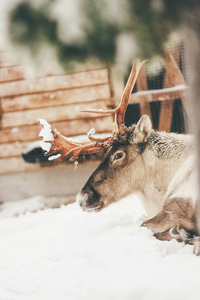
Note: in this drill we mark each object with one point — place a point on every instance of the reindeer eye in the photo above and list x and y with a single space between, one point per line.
118 155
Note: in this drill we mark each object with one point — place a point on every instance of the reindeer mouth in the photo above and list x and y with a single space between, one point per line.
90 208
90 201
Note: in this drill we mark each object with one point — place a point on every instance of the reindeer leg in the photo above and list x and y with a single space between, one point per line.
187 238
180 234
160 223
196 243
176 220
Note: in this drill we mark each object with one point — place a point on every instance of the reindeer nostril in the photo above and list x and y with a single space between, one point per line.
175 231
93 196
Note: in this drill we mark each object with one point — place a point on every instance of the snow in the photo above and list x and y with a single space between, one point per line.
91 132
47 136
65 253
52 157
46 132
75 165
45 146
32 204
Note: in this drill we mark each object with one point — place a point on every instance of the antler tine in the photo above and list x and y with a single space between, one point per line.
121 109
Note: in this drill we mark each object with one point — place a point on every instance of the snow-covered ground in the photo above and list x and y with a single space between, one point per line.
67 254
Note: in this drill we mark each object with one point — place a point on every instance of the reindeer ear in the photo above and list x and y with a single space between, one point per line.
142 130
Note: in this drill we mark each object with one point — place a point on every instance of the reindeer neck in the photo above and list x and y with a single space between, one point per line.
163 156
170 146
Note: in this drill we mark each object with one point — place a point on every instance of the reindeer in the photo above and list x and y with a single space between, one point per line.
158 166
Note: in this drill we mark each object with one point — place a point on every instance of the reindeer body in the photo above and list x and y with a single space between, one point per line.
165 155
159 166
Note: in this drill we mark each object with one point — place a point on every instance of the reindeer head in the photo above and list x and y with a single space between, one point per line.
113 178
121 169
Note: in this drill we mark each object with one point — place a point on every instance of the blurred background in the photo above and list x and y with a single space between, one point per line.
58 57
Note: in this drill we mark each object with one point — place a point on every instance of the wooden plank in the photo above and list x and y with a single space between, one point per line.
176 74
16 164
173 74
158 95
51 114
8 60
12 149
11 74
84 94
173 77
142 86
142 81
175 51
166 114
68 128
145 109
165 118
54 83
1 111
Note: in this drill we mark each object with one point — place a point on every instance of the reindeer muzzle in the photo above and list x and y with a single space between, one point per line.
89 201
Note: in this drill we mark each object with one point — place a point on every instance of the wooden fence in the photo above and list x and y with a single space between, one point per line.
174 87
56 98
60 98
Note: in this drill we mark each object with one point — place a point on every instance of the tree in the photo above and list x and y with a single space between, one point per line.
97 28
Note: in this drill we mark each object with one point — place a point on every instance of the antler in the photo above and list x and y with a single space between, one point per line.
121 109
55 143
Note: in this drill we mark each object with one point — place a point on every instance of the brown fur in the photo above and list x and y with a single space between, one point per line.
159 166
176 212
